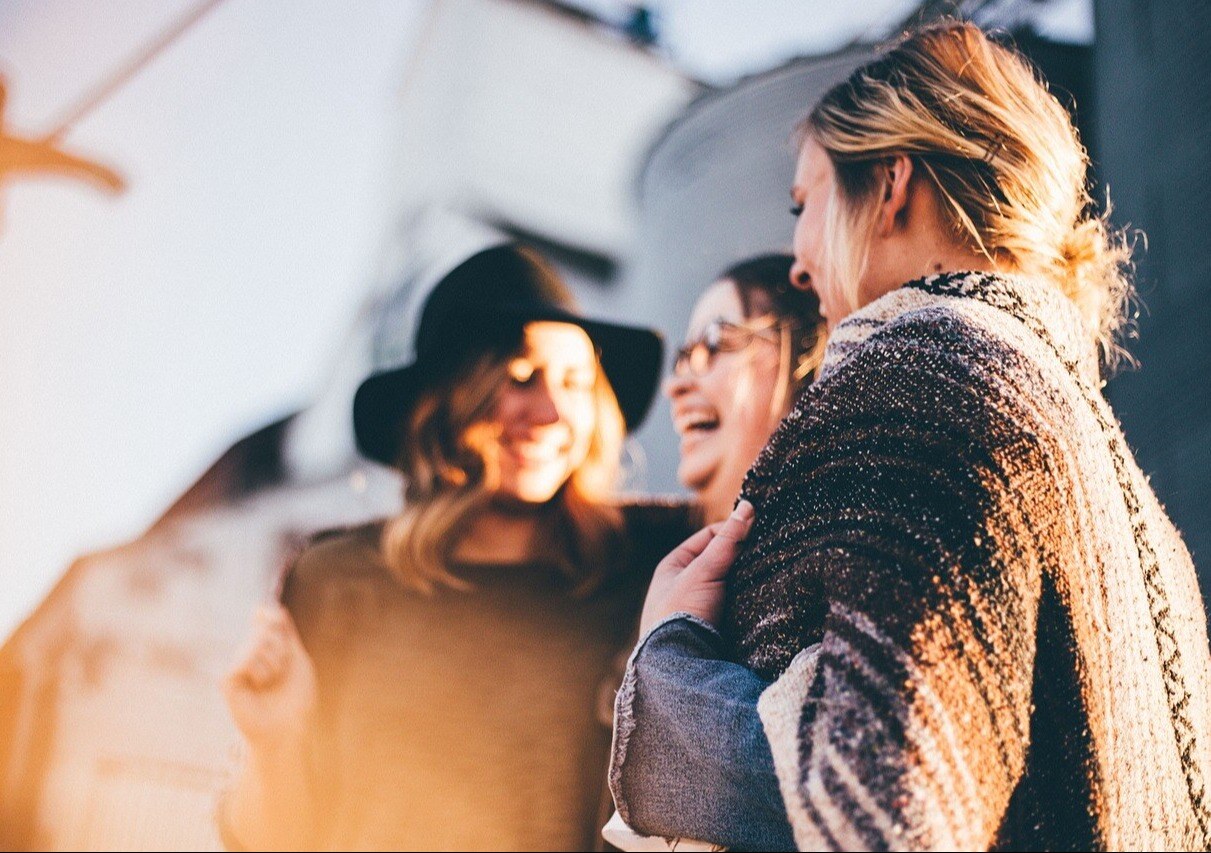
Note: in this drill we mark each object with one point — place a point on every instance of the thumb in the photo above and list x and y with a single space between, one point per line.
738 524
717 558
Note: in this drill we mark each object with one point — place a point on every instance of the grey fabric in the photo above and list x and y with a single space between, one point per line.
690 758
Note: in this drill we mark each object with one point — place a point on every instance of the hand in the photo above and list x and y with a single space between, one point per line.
272 691
691 578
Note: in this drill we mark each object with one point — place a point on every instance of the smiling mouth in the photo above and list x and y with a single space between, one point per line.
536 454
697 423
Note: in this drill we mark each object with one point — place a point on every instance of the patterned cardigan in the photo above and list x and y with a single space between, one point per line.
985 632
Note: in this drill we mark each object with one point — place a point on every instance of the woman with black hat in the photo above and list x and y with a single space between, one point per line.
432 680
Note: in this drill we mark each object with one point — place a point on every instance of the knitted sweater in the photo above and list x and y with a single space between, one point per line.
1012 647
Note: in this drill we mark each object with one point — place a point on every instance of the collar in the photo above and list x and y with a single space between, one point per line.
1038 305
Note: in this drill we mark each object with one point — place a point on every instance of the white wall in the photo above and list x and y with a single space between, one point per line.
140 335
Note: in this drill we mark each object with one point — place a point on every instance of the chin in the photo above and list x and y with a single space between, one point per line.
521 499
534 489
696 479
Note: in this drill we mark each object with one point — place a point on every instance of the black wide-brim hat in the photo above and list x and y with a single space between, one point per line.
483 305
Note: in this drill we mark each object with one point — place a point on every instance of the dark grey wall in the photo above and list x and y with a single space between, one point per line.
1152 85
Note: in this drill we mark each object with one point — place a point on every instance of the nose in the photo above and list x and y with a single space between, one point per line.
542 408
677 383
800 278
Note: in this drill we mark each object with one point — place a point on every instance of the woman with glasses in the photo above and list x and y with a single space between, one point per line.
754 342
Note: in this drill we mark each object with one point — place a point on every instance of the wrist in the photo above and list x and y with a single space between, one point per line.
679 623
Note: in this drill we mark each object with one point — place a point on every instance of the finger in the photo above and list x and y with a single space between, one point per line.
265 613
261 672
275 653
272 633
717 526
264 662
275 630
234 682
717 557
266 641
251 666
243 678
739 523
684 554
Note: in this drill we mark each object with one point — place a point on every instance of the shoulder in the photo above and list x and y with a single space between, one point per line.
332 564
935 335
340 551
929 400
931 367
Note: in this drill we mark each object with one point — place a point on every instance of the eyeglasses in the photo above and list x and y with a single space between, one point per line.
698 355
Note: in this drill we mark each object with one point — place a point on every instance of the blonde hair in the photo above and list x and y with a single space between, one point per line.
450 477
1001 153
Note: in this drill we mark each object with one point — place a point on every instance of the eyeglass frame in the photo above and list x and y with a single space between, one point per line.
687 353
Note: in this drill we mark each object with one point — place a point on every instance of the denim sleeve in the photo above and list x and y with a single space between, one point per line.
690 756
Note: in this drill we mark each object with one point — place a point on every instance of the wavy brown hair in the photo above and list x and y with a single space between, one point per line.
450 478
999 150
763 285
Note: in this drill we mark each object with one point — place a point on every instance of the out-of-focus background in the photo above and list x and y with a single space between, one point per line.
177 360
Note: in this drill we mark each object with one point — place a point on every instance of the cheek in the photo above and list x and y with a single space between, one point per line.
753 388
719 385
799 244
581 417
729 390
807 241
507 408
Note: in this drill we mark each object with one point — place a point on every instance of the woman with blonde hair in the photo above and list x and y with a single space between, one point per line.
432 680
960 618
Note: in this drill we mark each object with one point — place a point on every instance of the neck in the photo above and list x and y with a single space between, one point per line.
716 507
925 258
501 535
948 259
921 244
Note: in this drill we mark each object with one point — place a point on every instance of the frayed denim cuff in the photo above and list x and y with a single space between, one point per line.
682 629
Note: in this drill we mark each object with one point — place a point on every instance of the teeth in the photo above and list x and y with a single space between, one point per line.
534 452
696 421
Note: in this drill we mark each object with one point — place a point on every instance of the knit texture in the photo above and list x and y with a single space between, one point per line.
1013 647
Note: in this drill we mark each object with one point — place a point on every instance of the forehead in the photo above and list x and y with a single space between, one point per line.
557 343
719 301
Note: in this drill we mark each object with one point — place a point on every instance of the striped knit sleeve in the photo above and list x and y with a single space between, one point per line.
899 502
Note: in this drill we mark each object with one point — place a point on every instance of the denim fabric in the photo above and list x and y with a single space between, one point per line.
690 756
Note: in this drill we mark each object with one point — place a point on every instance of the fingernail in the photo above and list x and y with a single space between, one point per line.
744 511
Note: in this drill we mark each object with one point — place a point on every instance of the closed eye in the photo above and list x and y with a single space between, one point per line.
521 372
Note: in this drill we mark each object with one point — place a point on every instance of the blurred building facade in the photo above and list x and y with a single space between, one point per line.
1152 77
516 117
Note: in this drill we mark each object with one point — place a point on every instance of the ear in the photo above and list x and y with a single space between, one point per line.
894 202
